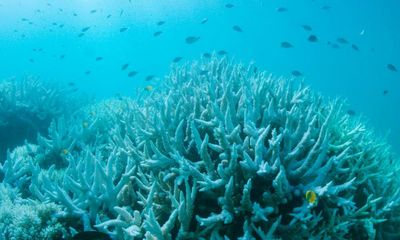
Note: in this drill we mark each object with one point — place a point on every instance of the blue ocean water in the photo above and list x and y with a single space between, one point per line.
41 38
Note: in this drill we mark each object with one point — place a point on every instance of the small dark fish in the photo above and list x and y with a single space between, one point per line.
132 73
191 39
237 28
99 58
281 9
159 23
229 5
93 11
24 19
62 56
149 77
326 7
391 67
342 40
355 47
222 52
31 60
87 72
207 55
124 67
54 24
297 73
351 112
286 45
92 235
121 12
81 34
75 14
61 25
71 84
306 27
204 20
85 29
176 59
385 92
312 38
108 16
123 29
156 34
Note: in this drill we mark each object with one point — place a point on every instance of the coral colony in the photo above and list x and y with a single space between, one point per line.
219 151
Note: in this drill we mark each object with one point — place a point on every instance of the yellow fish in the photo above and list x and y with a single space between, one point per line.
85 124
149 88
311 196
65 151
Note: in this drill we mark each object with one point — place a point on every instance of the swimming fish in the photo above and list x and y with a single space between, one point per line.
296 73
132 73
237 28
342 40
65 151
222 52
149 77
286 45
207 55
281 9
149 88
391 67
229 5
351 112
204 20
81 34
355 47
123 29
85 124
311 196
176 59
87 72
158 33
306 27
385 92
312 38
191 39
91 235
62 56
99 58
326 7
159 23
85 29
108 16
124 66
93 11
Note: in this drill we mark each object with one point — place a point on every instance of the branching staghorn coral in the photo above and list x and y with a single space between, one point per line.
243 149
221 151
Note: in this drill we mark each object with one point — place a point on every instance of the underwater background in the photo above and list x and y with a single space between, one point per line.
186 119
42 39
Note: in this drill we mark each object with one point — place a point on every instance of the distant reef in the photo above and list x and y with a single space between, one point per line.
27 106
219 150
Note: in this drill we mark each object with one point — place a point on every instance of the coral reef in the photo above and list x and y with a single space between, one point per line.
27 107
220 151
27 219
